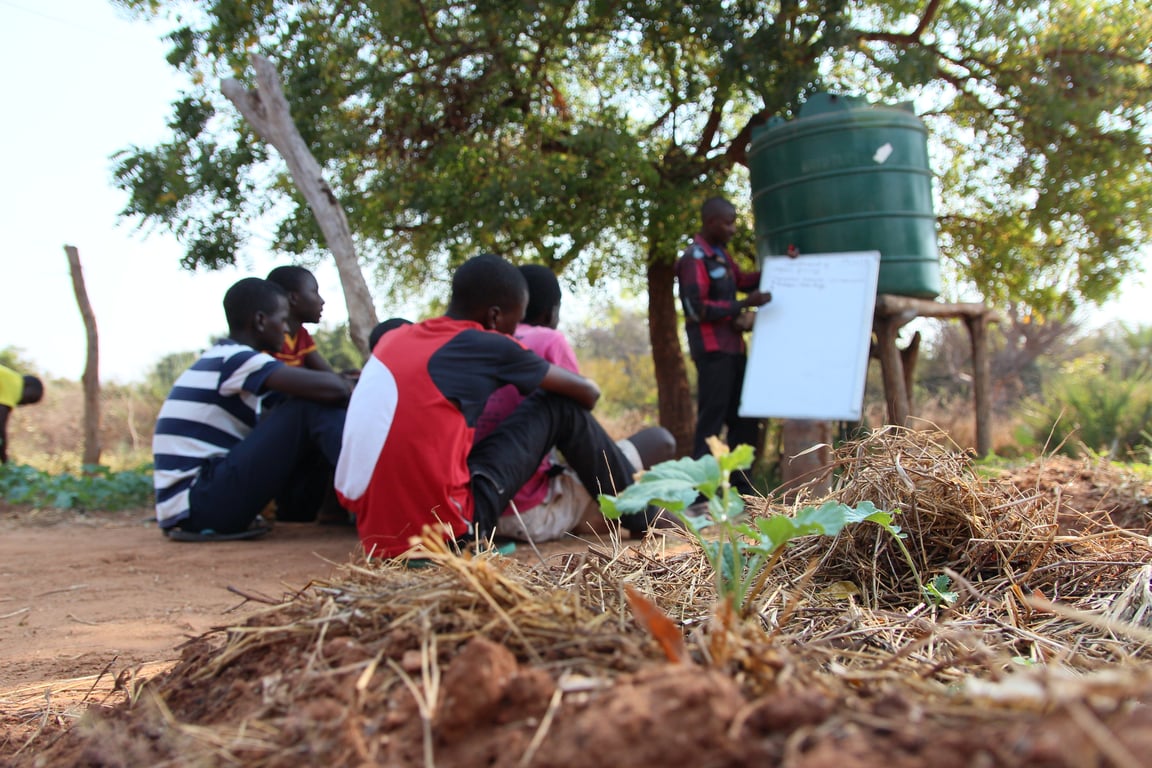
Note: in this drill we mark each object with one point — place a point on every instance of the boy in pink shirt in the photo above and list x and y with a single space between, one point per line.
554 502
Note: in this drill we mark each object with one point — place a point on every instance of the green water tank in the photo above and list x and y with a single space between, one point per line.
846 175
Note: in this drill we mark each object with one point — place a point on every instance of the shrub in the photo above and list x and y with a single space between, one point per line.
1089 408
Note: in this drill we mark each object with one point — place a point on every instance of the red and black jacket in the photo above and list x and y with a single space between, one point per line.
709 280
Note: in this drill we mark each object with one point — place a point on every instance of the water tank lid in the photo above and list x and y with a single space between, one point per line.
824 103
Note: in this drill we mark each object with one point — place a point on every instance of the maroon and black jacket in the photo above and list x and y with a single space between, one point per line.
709 280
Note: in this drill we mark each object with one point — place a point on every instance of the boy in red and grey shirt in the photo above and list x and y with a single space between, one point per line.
407 460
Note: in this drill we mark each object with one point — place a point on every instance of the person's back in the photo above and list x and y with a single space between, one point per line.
538 332
408 460
403 463
552 502
15 390
551 345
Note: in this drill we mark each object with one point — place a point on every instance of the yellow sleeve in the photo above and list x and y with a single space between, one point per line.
11 387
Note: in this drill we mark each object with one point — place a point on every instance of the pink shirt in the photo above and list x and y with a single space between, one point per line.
551 345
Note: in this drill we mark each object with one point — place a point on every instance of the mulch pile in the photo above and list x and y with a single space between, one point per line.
1041 658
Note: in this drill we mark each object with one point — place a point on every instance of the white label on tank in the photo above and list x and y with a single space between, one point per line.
882 154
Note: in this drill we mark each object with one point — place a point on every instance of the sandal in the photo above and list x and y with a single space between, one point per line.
254 531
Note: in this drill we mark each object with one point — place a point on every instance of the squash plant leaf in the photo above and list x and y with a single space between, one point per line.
671 484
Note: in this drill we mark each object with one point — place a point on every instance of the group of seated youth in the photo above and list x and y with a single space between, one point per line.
452 422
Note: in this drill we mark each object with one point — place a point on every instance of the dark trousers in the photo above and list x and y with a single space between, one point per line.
719 381
289 456
502 462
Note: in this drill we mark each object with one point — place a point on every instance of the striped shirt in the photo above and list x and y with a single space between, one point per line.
212 407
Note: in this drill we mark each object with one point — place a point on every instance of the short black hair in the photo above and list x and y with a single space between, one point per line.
33 390
714 206
390 324
484 281
290 278
543 292
247 297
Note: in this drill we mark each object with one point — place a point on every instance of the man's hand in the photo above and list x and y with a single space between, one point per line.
756 299
743 321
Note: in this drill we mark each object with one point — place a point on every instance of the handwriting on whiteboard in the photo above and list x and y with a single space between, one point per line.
808 354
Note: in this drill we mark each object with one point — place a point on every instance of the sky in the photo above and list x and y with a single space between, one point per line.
80 82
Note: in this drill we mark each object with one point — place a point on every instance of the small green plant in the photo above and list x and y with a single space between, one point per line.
939 591
743 552
97 488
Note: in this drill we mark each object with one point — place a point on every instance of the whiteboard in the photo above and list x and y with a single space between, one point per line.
808 355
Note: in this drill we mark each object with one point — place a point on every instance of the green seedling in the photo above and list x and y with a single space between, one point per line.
741 553
938 591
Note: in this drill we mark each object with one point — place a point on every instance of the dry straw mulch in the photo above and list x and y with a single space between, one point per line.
841 645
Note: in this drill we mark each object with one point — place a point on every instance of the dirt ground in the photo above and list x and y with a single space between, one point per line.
82 593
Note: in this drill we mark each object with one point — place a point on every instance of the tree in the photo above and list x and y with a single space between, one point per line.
583 135
14 358
338 349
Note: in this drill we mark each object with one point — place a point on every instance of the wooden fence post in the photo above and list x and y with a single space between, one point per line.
91 376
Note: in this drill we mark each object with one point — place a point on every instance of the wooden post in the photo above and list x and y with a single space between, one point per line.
91 376
893 312
909 356
977 330
806 457
892 368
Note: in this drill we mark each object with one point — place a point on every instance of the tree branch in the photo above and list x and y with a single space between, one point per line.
267 110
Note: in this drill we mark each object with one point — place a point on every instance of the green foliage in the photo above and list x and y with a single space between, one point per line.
97 488
1099 400
612 345
584 134
13 358
1092 408
742 553
159 380
1046 209
626 385
336 345
939 591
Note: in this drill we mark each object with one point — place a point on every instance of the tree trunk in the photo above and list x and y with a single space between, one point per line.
674 398
91 377
268 112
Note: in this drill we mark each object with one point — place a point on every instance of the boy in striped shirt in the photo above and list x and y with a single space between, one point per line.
217 463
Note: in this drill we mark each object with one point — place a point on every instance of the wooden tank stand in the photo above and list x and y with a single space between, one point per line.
898 365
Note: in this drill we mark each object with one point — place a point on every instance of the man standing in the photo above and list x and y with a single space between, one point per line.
715 321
